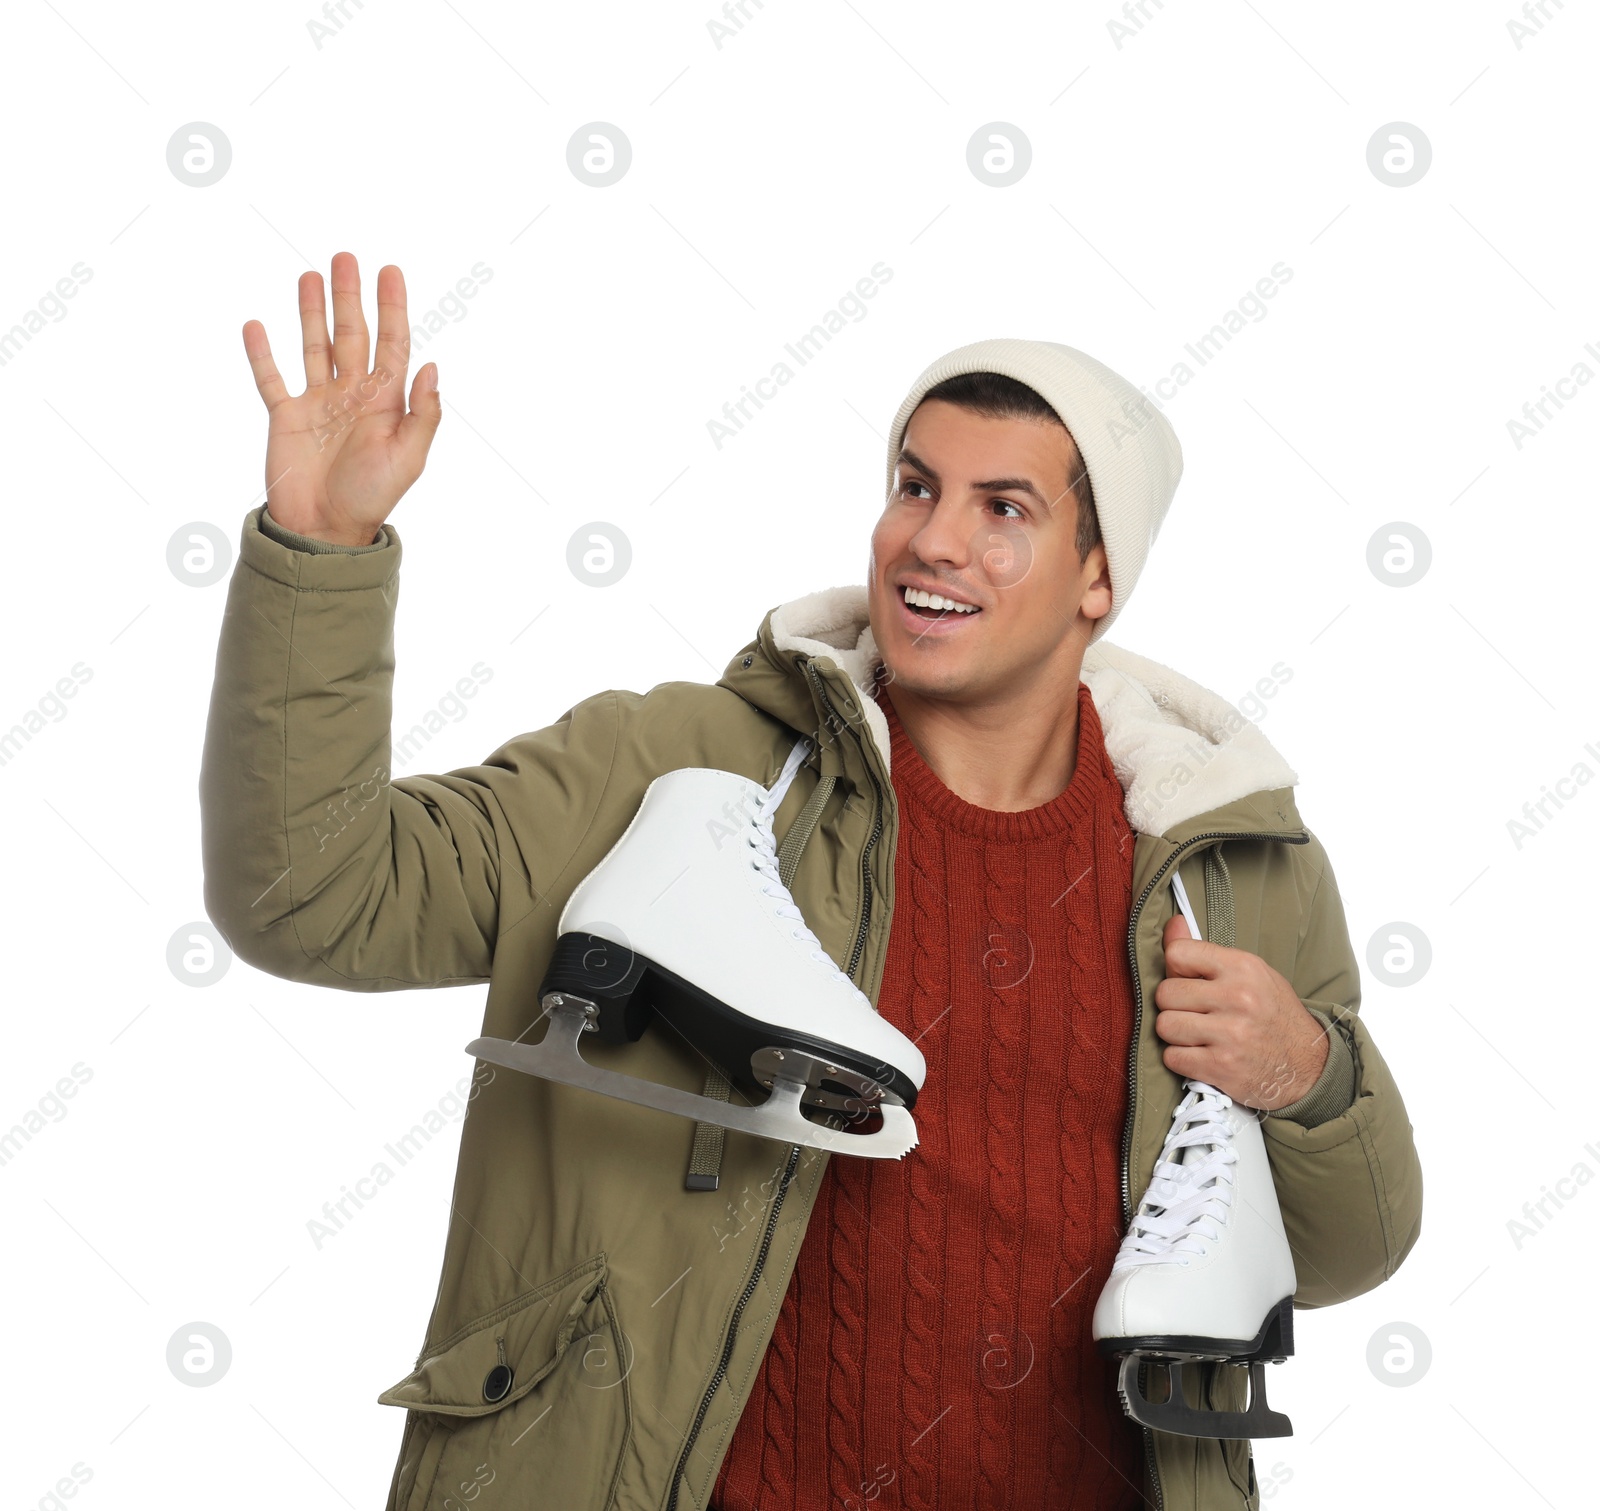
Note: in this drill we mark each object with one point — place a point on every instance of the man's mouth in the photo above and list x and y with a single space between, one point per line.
934 607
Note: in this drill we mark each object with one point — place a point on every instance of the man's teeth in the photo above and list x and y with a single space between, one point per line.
917 597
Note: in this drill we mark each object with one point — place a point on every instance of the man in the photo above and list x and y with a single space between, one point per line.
997 802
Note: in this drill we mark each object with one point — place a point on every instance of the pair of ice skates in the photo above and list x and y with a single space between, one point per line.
686 916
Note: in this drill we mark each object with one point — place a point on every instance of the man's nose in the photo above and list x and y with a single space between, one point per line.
944 536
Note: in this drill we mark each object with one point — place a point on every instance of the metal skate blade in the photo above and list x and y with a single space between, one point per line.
556 1058
1257 1420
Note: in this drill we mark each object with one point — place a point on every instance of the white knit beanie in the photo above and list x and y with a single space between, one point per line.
1132 455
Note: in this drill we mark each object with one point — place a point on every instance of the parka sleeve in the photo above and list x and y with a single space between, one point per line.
1350 1188
320 865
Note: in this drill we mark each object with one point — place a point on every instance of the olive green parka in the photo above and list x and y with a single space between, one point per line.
630 1311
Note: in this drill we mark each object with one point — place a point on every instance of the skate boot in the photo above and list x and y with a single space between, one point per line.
1205 1270
686 917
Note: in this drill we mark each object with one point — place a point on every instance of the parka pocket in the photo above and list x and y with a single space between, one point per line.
531 1399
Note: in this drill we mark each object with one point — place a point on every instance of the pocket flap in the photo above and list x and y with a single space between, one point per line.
528 1336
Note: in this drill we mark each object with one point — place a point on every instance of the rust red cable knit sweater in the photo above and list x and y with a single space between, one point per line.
933 1351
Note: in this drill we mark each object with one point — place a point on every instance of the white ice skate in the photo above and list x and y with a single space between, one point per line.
1204 1271
686 917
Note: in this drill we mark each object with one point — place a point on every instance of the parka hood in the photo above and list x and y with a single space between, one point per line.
1180 750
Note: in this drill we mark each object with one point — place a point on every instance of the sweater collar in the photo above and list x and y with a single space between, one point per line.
1074 805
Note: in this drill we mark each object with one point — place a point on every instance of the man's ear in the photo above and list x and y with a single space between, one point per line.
1096 600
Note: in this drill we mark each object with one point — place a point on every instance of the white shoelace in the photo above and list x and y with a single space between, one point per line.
1192 1189
765 860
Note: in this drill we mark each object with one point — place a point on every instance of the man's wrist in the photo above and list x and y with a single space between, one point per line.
1315 1049
1334 1090
318 544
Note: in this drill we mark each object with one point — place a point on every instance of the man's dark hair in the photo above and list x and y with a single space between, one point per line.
997 397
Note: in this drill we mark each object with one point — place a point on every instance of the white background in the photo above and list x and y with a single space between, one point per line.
769 173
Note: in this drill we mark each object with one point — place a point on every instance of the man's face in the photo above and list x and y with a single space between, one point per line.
982 512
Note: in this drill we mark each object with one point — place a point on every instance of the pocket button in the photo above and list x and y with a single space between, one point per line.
497 1383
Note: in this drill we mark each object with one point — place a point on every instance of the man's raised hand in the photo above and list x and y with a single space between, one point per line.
341 454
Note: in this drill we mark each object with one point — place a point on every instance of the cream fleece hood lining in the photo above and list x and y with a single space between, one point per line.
1179 749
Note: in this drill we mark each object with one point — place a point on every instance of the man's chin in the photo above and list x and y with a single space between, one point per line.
948 682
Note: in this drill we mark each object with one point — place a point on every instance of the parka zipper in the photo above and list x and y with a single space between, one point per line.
1133 1057
872 839
794 1149
733 1327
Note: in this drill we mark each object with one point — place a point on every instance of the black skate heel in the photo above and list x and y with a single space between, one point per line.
604 976
1277 1337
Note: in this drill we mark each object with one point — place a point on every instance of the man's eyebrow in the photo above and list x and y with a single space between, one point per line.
993 485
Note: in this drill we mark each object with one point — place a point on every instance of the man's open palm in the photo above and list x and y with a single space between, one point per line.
341 454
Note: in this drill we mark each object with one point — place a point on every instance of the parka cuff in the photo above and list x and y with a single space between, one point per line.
319 571
1335 1089
296 541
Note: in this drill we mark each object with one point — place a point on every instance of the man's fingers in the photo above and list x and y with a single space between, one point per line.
1176 1027
1191 1064
316 350
1186 994
393 353
1190 957
351 339
269 384
417 428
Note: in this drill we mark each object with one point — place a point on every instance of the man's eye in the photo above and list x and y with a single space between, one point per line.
911 483
1006 503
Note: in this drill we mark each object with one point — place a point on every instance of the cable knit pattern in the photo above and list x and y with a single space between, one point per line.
934 1347
923 1221
1004 1349
846 1380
